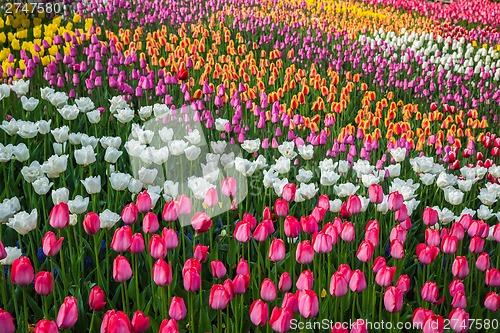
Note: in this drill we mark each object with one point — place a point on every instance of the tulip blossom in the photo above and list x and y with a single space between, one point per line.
393 299
46 326
219 297
44 283
68 313
50 244
97 299
201 222
22 272
259 313
177 308
280 320
140 322
122 271
59 216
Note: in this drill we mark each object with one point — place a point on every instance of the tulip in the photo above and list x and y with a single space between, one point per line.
140 322
419 317
309 224
277 250
228 188
59 216
353 205
460 267
170 211
182 74
6 322
449 244
459 320
183 205
242 267
338 285
97 299
305 280
121 269
348 233
281 207
427 254
169 236
68 313
280 320
144 202
177 309
44 283
493 277
45 326
459 300
211 197
476 245
433 323
218 269
397 250
456 286
116 321
130 213
483 262
365 251
357 283
304 253
492 301
200 252
432 237
122 239
393 299
395 201
157 247
161 273
430 216
289 191
385 276
219 297
137 243
291 301
308 303
241 283
378 263
291 227
91 223
403 283
430 292
242 232
191 279
259 313
359 326
50 244
376 193
285 282
169 326
322 243
3 252
201 222
22 272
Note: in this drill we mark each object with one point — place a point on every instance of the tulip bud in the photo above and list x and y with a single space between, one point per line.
91 223
177 309
259 313
22 272
130 213
50 244
140 322
59 216
162 273
122 271
97 299
7 322
144 202
267 290
44 283
219 297
393 299
46 326
68 313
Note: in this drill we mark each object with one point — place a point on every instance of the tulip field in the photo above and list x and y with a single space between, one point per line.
249 166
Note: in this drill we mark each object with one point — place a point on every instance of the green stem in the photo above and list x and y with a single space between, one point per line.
25 306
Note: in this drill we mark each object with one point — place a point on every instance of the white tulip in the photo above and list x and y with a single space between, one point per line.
78 205
92 184
29 104
23 222
13 253
85 155
112 154
42 185
119 181
60 195
108 219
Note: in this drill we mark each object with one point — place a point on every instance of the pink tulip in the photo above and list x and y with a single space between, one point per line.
91 223
338 285
259 313
45 326
201 222
211 197
44 283
403 283
365 251
241 283
97 299
304 253
281 207
242 232
50 244
169 326
308 303
460 267
219 297
68 313
140 322
137 243
144 202
427 254
376 193
430 216
395 201
191 279
288 192
357 283
218 269
122 271
201 252
130 213
157 247
59 216
305 280
492 301
122 239
393 299
7 322
459 320
430 292
493 277
267 290
170 211
177 309
385 276
280 320
22 272
183 205
228 187
483 262
277 250
285 282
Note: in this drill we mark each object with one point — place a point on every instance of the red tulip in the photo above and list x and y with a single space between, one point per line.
493 277
68 313
170 211
395 201
182 74
45 326
218 269
385 276
449 244
308 303
169 326
242 267
191 279
393 299
291 301
162 273
430 216
357 283
492 301
140 322
22 272
304 253
200 252
121 269
305 280
219 297
144 202
365 251
137 243
259 313
280 320
397 250
177 309
91 223
97 299
309 224
459 300
44 283
130 213
59 216
169 236
242 232
285 282
348 233
122 239
157 247
7 322
433 324
459 320
289 191
338 285
241 283
281 207
277 250
201 222
460 267
50 244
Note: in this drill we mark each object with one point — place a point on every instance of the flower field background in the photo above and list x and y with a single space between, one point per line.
250 166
